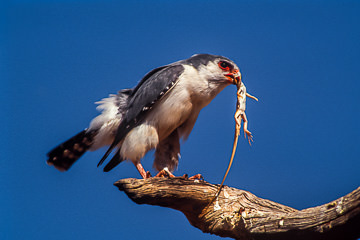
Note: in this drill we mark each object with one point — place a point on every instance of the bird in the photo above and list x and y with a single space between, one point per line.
156 114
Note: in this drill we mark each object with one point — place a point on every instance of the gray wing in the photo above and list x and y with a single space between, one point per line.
150 90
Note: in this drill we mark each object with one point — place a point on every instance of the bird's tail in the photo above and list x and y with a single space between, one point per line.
66 154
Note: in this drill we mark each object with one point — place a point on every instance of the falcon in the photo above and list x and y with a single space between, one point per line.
155 114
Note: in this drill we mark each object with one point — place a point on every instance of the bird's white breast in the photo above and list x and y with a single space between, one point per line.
183 103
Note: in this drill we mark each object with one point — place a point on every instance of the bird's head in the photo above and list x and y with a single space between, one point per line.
216 68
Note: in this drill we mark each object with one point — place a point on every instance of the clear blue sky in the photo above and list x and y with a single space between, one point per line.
300 58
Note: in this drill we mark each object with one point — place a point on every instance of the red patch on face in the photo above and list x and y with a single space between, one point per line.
224 65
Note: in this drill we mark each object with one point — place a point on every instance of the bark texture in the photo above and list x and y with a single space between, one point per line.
242 215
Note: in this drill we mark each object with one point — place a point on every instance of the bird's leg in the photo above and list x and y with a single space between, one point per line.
165 173
141 170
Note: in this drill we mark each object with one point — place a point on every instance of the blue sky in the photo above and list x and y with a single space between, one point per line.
300 58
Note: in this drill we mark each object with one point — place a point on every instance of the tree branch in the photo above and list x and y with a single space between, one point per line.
241 215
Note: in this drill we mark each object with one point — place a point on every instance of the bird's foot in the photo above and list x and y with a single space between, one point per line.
195 177
165 173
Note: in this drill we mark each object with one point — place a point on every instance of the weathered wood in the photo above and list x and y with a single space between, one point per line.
241 215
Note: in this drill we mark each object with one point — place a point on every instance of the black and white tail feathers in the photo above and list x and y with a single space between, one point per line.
65 155
99 134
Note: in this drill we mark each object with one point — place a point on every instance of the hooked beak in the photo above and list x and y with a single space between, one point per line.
234 77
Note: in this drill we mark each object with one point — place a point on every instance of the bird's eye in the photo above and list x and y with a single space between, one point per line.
225 65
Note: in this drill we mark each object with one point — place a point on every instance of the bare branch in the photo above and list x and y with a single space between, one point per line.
242 215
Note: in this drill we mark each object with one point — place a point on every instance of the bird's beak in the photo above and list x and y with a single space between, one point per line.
234 77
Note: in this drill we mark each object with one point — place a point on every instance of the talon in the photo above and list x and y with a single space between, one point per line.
162 173
197 177
165 173
185 176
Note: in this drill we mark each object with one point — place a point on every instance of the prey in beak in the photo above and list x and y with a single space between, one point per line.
234 77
